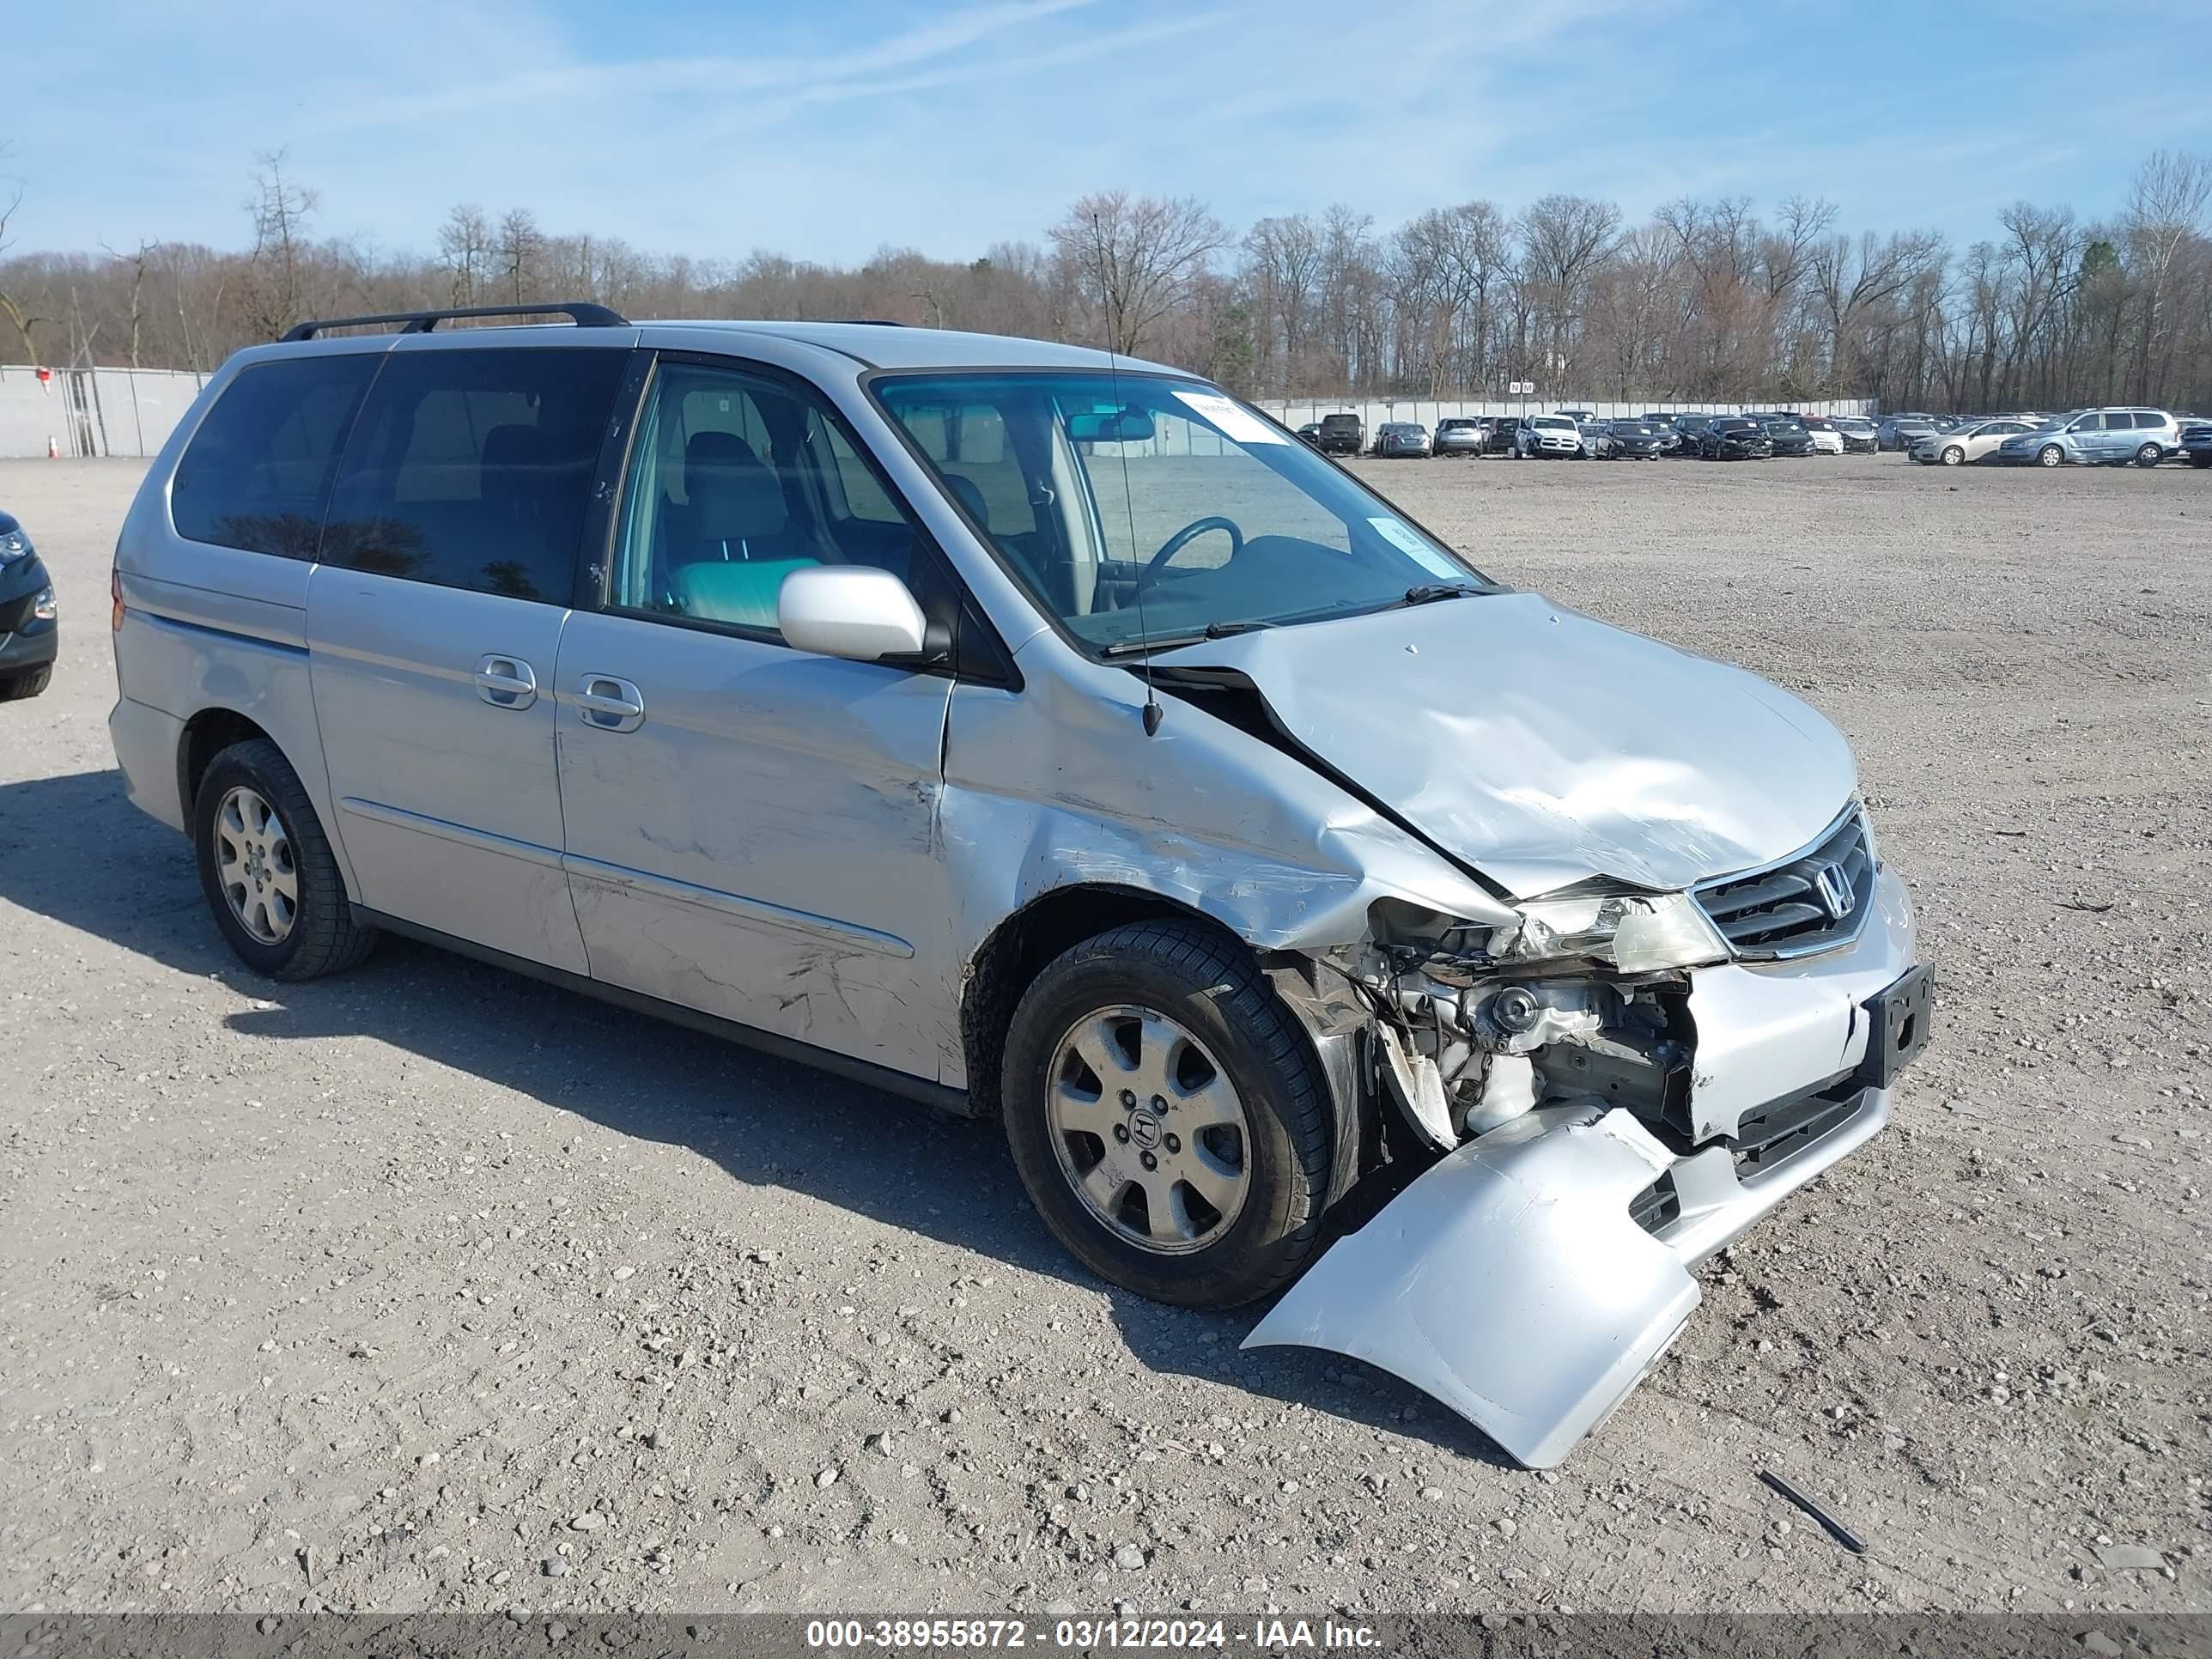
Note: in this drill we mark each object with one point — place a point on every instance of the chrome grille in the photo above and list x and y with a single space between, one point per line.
1811 901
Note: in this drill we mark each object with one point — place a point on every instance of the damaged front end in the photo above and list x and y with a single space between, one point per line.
1617 1086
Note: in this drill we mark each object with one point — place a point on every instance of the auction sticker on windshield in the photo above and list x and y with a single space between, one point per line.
1232 422
1409 542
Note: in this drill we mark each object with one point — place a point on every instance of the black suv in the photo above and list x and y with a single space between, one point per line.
29 636
1341 435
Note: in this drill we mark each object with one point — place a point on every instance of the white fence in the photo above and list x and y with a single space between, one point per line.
125 411
92 412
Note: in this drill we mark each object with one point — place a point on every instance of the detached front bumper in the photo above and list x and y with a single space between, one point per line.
1529 1280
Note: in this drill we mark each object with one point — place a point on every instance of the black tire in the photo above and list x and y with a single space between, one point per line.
1953 455
2200 460
324 937
2149 455
1207 983
14 687
2050 455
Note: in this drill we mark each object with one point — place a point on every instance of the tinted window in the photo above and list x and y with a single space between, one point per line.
736 480
469 468
257 474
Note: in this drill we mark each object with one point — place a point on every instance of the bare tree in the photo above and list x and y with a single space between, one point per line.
1145 255
2165 214
520 243
281 209
18 315
464 249
1564 239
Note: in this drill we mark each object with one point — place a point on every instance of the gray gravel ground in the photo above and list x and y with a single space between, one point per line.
428 1287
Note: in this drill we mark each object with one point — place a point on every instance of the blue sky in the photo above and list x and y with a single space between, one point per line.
829 129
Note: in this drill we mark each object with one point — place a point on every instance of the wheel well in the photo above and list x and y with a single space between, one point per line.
1018 949
207 734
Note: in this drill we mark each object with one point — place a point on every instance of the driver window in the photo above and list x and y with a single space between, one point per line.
736 481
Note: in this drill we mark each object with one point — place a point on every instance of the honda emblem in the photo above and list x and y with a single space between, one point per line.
1834 888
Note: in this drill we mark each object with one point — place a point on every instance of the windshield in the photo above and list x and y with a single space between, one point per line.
1552 424
1095 494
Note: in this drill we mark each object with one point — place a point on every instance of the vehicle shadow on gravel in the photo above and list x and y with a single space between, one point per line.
73 849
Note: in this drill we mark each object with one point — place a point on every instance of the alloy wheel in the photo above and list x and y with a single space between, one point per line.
1148 1129
254 863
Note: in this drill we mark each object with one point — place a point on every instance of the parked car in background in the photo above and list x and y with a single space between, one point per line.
1826 440
30 626
1579 416
1690 432
1401 440
1735 438
1342 434
1310 433
1860 435
2096 437
1900 431
1460 434
1550 437
2197 443
1592 431
1963 445
1629 441
1787 436
1502 436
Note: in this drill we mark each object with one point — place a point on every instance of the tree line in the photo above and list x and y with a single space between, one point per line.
1707 301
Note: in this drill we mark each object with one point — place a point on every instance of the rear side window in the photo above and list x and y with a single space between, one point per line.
257 474
469 468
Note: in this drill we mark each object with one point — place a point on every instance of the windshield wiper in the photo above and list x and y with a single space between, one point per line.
1213 630
1430 592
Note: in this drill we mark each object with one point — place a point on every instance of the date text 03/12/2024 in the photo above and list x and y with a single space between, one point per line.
1079 1634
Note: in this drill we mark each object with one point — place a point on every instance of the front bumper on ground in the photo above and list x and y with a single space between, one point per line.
1529 1280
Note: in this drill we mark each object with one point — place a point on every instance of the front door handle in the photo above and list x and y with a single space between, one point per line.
608 704
505 682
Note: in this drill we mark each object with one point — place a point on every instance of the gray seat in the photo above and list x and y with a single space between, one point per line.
735 508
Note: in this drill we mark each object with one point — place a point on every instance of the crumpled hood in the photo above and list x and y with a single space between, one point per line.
1542 747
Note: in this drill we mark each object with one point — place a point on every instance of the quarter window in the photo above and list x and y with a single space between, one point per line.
257 474
471 469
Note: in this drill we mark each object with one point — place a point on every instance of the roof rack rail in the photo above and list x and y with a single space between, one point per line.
871 322
582 313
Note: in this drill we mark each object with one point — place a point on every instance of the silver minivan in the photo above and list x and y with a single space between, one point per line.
1052 738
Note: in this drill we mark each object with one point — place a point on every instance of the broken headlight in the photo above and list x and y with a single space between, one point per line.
1629 933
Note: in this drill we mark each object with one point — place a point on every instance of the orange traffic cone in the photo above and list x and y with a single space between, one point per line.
53 452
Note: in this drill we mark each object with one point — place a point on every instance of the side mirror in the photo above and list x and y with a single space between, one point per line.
854 612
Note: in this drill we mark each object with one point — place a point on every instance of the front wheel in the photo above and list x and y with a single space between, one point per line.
1167 1115
2149 455
1953 456
267 869
2050 455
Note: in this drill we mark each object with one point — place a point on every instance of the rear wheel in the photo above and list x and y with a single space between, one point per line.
1166 1113
267 869
2149 455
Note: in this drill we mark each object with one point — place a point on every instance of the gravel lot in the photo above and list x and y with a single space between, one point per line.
428 1287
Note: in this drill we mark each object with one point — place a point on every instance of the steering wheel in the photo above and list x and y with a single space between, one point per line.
1183 538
